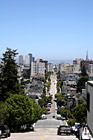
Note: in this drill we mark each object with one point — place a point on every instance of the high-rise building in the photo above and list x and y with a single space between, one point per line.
37 68
87 55
21 62
27 60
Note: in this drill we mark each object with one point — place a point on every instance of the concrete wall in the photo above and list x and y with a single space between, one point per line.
90 111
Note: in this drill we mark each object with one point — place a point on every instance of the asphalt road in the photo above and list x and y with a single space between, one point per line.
40 134
45 129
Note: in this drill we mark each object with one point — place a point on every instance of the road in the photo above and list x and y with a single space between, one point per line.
45 129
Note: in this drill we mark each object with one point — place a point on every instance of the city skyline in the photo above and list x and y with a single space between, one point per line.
60 30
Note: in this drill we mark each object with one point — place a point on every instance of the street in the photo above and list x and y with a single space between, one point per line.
45 129
40 134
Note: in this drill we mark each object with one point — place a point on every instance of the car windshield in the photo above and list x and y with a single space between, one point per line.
2 127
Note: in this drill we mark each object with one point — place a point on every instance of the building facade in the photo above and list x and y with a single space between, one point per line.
89 89
37 68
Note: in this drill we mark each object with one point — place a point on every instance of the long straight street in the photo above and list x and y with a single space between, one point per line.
45 129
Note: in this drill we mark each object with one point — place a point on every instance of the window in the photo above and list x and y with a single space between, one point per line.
88 102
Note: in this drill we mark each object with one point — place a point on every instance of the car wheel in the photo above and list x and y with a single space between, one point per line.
6 135
9 135
59 133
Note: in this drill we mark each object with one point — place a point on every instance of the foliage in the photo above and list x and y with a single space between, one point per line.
44 110
49 99
83 78
8 76
42 102
22 110
71 122
3 113
83 71
81 83
26 75
64 112
80 113
47 75
59 96
58 75
44 89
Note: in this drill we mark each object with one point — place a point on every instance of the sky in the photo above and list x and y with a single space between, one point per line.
49 29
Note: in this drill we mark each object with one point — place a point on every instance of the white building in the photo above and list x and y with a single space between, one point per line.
89 89
37 68
50 67
90 68
65 67
27 60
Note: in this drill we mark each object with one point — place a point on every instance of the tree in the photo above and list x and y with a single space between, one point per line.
80 113
83 71
3 113
8 76
42 102
22 110
71 122
64 112
81 83
83 78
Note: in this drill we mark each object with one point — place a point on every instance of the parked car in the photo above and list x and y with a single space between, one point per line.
29 127
43 117
0 134
5 131
61 118
64 129
84 134
48 109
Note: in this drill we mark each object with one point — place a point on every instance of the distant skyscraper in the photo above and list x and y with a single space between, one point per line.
30 57
27 60
33 59
21 62
87 55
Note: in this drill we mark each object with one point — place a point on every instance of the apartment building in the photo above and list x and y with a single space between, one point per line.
89 89
50 67
37 68
65 67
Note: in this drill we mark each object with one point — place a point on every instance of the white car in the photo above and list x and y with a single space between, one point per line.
84 134
43 116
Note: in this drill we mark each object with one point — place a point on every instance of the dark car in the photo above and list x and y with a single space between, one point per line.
5 131
63 129
61 118
30 127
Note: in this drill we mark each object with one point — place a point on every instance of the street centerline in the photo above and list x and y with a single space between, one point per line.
42 138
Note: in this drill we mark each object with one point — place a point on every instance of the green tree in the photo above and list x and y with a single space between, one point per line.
83 71
8 76
80 113
64 112
83 78
71 122
3 113
42 102
81 83
22 110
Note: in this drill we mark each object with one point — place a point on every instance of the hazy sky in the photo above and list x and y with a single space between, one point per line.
52 29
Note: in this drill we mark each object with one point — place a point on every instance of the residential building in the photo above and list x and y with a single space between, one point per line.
90 69
46 64
37 68
65 67
89 89
76 63
50 67
86 63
